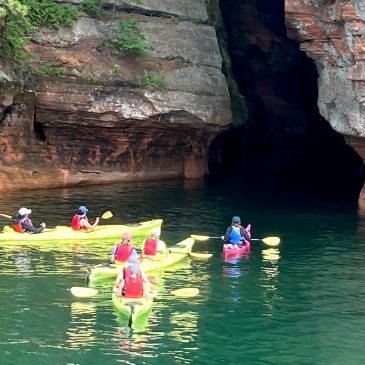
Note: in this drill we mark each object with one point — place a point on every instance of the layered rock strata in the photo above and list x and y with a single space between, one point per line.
332 33
90 118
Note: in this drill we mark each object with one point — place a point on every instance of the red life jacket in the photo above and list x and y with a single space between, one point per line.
75 222
150 246
18 227
122 252
133 284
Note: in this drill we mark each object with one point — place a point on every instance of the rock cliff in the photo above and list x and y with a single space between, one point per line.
92 116
332 33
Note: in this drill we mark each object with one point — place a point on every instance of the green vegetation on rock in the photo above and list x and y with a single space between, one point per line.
91 7
153 79
51 68
128 37
18 18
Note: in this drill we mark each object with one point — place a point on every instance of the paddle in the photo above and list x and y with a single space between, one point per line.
270 241
201 255
186 292
6 216
105 215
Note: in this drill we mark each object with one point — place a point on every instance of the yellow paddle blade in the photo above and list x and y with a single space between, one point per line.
186 292
201 255
107 215
7 229
82 292
199 238
271 241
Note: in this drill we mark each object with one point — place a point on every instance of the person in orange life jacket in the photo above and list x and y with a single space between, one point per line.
123 249
80 221
131 281
22 222
153 245
235 234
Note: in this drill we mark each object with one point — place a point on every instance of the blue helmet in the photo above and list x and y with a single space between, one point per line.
236 219
82 209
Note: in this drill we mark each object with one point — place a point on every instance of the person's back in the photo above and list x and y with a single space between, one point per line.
131 281
153 245
122 251
235 234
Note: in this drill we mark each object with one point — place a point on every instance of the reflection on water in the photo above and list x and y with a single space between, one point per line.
269 278
81 331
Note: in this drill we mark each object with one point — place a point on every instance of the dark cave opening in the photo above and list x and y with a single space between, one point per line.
284 142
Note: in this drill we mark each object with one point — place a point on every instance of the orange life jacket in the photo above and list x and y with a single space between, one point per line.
18 227
133 284
150 246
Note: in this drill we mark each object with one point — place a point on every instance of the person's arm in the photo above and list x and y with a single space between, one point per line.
245 235
85 224
114 251
28 227
119 283
226 236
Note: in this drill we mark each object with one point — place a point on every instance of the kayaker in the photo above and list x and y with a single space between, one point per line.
123 249
22 222
131 281
153 245
80 221
236 234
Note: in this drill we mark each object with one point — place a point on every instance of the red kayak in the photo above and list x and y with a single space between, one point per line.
229 252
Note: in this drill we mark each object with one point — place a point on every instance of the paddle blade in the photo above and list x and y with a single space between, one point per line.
186 292
107 215
82 292
200 238
271 241
201 255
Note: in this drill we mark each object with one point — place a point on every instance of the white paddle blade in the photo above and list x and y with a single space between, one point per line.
82 292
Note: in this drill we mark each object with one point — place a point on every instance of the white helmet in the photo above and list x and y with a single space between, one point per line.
156 232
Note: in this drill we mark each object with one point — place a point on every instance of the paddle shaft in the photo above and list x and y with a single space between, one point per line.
6 215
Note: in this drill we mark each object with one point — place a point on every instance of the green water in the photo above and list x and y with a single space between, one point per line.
299 304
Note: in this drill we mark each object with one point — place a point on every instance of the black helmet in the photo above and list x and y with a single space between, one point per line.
236 219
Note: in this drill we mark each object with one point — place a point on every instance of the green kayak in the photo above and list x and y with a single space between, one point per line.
64 233
132 308
176 254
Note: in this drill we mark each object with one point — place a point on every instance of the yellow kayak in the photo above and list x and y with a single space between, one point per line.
132 308
64 233
175 254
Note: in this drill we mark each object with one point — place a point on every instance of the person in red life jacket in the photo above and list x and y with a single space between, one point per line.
22 223
153 245
131 281
80 221
123 249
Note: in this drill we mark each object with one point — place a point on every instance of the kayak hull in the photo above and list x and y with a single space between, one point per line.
64 233
176 254
132 308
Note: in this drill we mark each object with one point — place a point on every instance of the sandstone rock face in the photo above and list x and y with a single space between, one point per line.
90 118
332 33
